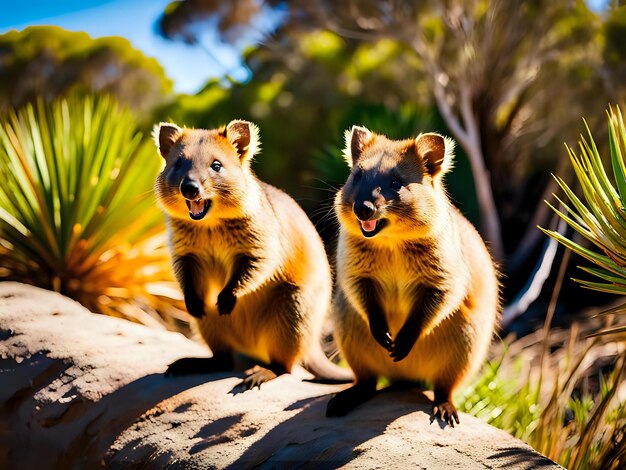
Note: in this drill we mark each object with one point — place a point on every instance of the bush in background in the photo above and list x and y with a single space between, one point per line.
77 211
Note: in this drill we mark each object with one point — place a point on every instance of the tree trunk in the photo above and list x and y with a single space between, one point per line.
489 220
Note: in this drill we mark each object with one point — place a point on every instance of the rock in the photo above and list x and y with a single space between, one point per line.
79 390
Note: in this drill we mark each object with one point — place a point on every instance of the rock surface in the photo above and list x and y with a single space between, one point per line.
79 390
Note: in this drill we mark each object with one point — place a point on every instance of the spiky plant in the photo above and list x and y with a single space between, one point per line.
77 214
600 216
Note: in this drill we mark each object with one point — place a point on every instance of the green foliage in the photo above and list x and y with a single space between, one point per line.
50 62
180 18
553 411
600 215
505 399
401 124
322 46
77 212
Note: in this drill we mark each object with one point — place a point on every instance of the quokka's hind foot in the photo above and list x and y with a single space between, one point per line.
200 365
258 375
345 401
443 409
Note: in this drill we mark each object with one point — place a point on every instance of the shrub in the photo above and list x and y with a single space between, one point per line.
77 212
601 218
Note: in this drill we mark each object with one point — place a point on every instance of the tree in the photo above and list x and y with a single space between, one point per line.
233 18
50 62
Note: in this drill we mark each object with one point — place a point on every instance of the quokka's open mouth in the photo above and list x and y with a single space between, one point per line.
198 208
369 228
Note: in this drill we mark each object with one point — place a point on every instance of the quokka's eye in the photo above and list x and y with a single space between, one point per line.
216 166
396 185
178 164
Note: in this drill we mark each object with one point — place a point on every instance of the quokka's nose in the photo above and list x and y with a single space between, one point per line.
364 209
189 189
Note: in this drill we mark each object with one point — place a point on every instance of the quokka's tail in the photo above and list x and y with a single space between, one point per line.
323 369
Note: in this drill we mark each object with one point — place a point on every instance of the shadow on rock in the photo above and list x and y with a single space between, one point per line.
333 441
89 427
514 456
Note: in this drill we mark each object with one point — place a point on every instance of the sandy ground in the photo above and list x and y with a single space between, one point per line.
79 390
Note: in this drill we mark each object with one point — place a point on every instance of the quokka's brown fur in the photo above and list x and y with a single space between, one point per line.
417 291
251 265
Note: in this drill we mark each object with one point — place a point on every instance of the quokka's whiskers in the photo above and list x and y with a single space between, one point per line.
329 186
326 210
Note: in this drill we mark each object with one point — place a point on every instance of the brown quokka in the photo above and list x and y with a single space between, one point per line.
417 293
251 266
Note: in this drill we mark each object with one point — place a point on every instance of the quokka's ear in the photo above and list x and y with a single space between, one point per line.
436 151
165 135
357 137
244 136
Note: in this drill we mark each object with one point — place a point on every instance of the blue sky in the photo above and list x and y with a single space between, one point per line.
188 66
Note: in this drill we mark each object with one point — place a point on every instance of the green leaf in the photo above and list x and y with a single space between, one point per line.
603 274
617 160
611 331
602 287
618 309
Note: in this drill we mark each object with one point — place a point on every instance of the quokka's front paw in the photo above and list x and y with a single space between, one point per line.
194 305
226 301
382 336
402 345
384 339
